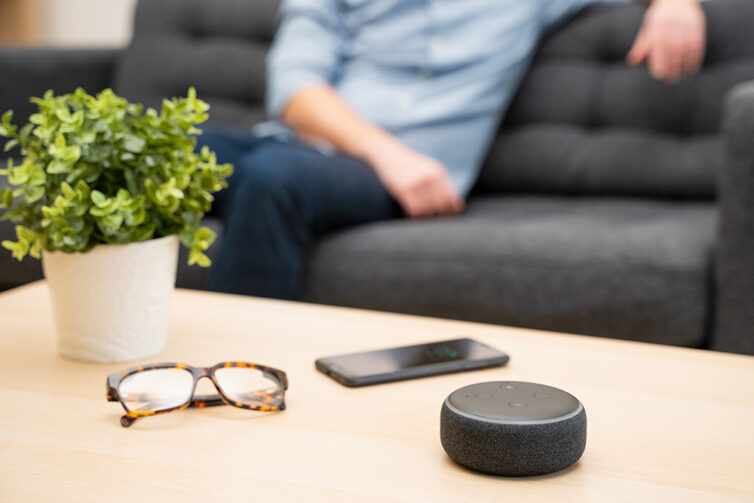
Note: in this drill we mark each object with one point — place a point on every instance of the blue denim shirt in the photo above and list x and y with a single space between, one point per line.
438 74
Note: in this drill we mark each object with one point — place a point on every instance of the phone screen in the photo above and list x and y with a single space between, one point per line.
451 355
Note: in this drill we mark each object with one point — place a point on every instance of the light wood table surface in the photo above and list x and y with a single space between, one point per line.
665 424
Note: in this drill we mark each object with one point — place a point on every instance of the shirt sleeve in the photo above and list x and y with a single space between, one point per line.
307 50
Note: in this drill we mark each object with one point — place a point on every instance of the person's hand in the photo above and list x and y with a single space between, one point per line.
672 39
420 184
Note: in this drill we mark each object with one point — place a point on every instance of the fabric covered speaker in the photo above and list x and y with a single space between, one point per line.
513 428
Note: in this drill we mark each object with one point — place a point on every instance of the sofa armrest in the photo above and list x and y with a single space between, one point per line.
734 330
30 72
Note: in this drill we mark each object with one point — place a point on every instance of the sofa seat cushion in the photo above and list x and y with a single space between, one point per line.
630 269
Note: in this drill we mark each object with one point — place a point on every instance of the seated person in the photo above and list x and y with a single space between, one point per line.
385 109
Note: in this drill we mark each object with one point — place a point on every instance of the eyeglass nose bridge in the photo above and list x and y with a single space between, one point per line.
210 400
203 372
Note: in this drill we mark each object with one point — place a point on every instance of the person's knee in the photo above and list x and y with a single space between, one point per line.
266 173
213 137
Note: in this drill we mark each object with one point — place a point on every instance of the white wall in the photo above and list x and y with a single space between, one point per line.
87 22
82 23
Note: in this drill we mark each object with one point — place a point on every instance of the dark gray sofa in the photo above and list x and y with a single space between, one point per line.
610 204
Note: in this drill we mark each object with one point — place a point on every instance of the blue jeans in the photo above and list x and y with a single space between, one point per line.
281 198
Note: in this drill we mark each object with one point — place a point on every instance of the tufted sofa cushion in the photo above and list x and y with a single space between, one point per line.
219 49
584 122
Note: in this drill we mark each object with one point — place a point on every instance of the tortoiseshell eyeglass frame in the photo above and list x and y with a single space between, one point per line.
272 401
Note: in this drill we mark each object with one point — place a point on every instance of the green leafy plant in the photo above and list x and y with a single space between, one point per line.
101 170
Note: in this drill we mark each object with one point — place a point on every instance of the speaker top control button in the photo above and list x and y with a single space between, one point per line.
484 396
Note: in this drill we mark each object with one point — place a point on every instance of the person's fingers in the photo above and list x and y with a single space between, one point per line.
448 202
694 55
431 199
458 204
415 207
689 62
696 44
676 47
438 201
447 197
427 201
407 204
672 40
659 65
411 201
427 192
455 202
640 50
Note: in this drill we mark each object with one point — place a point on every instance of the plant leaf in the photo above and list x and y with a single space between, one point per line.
98 169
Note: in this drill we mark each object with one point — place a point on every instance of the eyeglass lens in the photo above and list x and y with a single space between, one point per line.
156 390
251 387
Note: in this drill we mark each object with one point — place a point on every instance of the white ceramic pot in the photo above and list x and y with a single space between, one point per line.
112 303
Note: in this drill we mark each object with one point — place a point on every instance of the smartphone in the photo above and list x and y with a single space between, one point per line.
410 362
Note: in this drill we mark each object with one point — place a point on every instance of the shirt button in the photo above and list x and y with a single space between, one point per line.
405 100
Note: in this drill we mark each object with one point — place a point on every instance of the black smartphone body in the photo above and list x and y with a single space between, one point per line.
410 362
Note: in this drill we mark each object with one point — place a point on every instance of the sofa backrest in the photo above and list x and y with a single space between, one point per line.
218 46
584 122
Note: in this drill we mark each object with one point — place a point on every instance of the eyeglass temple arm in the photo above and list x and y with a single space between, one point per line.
198 400
112 386
214 400
207 401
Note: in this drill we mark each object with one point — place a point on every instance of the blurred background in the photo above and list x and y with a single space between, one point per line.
66 23
606 184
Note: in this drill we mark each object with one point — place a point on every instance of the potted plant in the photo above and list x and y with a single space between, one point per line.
104 192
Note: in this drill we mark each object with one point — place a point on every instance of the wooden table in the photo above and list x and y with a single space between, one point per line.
665 424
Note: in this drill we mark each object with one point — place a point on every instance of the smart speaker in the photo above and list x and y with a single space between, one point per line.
513 428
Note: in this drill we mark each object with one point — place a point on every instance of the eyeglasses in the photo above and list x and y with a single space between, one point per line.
166 387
